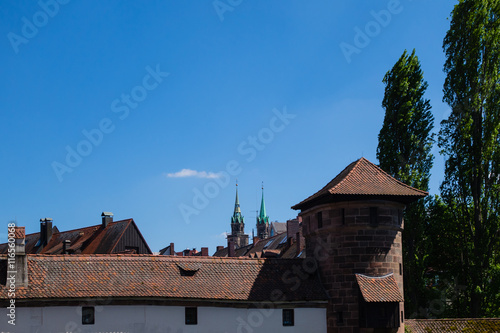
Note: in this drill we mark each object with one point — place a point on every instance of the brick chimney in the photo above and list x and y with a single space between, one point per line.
300 243
107 217
292 227
219 247
66 245
230 248
204 251
45 231
17 262
172 251
255 240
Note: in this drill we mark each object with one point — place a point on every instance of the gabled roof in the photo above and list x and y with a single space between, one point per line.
53 277
362 180
379 289
457 325
94 239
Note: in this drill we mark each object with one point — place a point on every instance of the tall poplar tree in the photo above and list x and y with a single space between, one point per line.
470 140
404 151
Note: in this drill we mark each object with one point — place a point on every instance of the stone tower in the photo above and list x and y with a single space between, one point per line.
353 229
263 228
237 235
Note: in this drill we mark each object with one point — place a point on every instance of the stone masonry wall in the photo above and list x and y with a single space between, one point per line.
349 242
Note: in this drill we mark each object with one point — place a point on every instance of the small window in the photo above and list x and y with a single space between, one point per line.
88 315
288 319
340 317
373 216
400 269
402 317
191 316
319 217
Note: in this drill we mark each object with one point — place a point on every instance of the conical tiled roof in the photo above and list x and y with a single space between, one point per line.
362 180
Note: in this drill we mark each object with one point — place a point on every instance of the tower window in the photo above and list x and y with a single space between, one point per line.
319 217
191 316
340 317
374 216
400 269
288 317
88 315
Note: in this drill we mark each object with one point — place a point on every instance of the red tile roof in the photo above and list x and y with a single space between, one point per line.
379 289
161 277
19 233
88 240
274 246
364 179
453 325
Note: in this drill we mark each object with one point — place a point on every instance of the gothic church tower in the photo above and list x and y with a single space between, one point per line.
237 225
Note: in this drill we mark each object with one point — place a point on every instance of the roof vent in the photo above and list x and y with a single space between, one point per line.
189 268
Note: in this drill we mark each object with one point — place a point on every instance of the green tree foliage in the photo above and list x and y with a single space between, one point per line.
404 151
470 140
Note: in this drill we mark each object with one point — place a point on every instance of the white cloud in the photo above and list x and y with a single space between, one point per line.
222 235
193 173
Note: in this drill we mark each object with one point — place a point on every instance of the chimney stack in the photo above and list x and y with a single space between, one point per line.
204 251
17 261
255 240
66 245
299 243
219 247
172 251
45 231
292 227
107 217
230 248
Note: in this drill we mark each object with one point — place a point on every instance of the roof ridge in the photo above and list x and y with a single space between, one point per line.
157 257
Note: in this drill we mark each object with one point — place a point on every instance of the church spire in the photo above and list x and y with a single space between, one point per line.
237 217
263 219
237 225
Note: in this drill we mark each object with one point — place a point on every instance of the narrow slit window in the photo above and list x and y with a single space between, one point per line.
88 315
319 217
191 316
288 317
340 317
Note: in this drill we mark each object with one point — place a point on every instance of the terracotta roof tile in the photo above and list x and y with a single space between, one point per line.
84 276
87 240
379 289
363 178
458 325
19 233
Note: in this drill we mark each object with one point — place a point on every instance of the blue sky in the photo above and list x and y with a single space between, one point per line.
105 103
